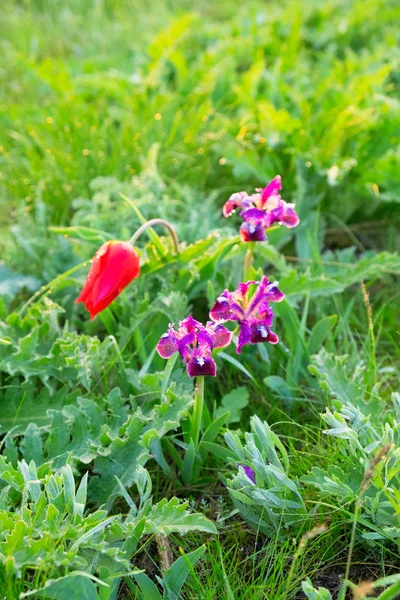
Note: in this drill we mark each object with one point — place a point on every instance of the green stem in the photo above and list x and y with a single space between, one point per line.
197 410
342 594
48 288
248 261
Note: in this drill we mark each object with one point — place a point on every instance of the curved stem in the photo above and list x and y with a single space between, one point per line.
152 222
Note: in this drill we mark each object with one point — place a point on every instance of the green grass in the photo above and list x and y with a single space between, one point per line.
176 106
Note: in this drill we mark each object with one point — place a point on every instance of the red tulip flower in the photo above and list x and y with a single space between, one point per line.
114 266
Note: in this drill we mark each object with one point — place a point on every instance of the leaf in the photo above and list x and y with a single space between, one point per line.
11 282
188 462
216 450
75 586
147 587
319 333
88 234
280 387
234 402
214 428
92 532
235 363
172 517
175 576
155 238
392 593
313 593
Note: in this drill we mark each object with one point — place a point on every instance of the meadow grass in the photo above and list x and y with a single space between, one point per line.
177 106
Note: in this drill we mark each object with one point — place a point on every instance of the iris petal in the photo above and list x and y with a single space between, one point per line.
168 344
220 335
237 200
252 231
271 189
260 332
201 365
221 310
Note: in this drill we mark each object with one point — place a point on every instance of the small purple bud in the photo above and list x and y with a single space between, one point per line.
249 472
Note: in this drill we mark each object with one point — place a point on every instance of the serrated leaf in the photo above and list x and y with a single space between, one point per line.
172 517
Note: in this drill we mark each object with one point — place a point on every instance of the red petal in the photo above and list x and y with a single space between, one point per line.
114 266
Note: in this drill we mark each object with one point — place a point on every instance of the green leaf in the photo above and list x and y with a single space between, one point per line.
155 238
216 450
236 364
175 576
234 402
188 462
214 428
172 517
392 593
280 387
147 587
92 532
75 586
88 234
11 282
319 333
313 593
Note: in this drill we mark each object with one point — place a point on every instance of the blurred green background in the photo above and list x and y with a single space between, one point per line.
180 104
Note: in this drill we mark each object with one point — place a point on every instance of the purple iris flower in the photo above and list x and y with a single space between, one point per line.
249 472
261 210
254 315
195 343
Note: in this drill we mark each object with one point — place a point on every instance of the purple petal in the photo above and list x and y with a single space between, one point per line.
201 365
243 289
249 472
205 342
274 293
168 344
266 313
255 215
221 310
244 336
290 217
252 231
188 325
283 213
260 332
239 199
271 189
184 345
220 335
266 292
259 295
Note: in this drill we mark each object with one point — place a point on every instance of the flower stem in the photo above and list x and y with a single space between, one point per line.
152 222
342 593
197 410
248 261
